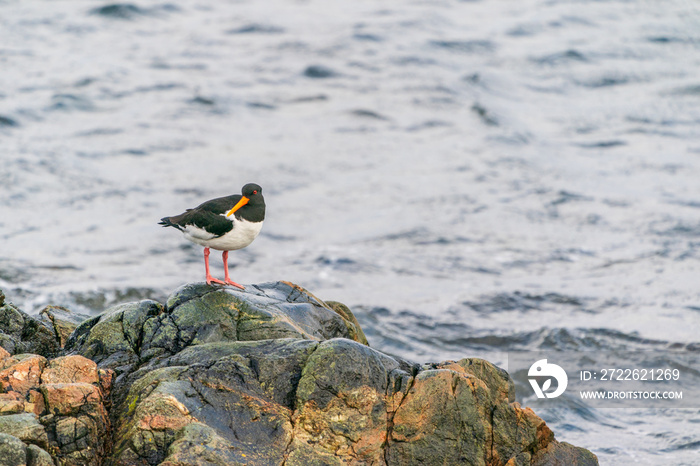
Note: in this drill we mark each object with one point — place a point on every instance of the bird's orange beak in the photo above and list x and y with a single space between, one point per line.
244 200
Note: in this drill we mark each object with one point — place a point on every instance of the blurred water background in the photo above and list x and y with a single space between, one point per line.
470 177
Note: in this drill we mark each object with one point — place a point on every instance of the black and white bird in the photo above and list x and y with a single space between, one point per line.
225 224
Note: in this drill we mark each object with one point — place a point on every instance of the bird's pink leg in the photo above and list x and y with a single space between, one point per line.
210 279
224 256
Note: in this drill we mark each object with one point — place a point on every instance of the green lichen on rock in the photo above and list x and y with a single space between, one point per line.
21 333
113 338
195 314
26 427
12 451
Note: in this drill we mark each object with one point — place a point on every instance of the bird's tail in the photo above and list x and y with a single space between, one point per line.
166 222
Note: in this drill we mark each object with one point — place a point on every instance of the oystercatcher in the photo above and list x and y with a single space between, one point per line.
225 224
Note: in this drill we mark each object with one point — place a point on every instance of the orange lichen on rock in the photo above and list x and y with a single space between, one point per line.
21 372
70 369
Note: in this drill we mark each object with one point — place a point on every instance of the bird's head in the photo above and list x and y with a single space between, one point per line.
249 192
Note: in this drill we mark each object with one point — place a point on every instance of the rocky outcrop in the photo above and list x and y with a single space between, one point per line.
53 408
269 375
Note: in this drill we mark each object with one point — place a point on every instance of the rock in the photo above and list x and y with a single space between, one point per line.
268 375
21 372
153 417
354 329
38 457
12 451
55 405
76 423
106 377
21 333
25 427
70 398
11 403
270 310
444 415
127 335
113 338
564 454
62 321
196 441
341 404
35 403
243 390
70 369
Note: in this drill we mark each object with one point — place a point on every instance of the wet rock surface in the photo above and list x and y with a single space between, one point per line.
269 375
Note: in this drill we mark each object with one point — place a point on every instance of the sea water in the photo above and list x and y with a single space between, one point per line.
470 177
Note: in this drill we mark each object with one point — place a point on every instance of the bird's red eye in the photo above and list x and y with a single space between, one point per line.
255 192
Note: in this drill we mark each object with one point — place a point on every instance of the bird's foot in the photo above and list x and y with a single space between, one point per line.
228 281
211 280
231 282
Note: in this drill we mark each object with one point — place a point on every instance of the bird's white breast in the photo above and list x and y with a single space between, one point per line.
242 234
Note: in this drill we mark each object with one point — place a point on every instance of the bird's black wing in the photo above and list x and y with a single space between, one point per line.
220 205
207 220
